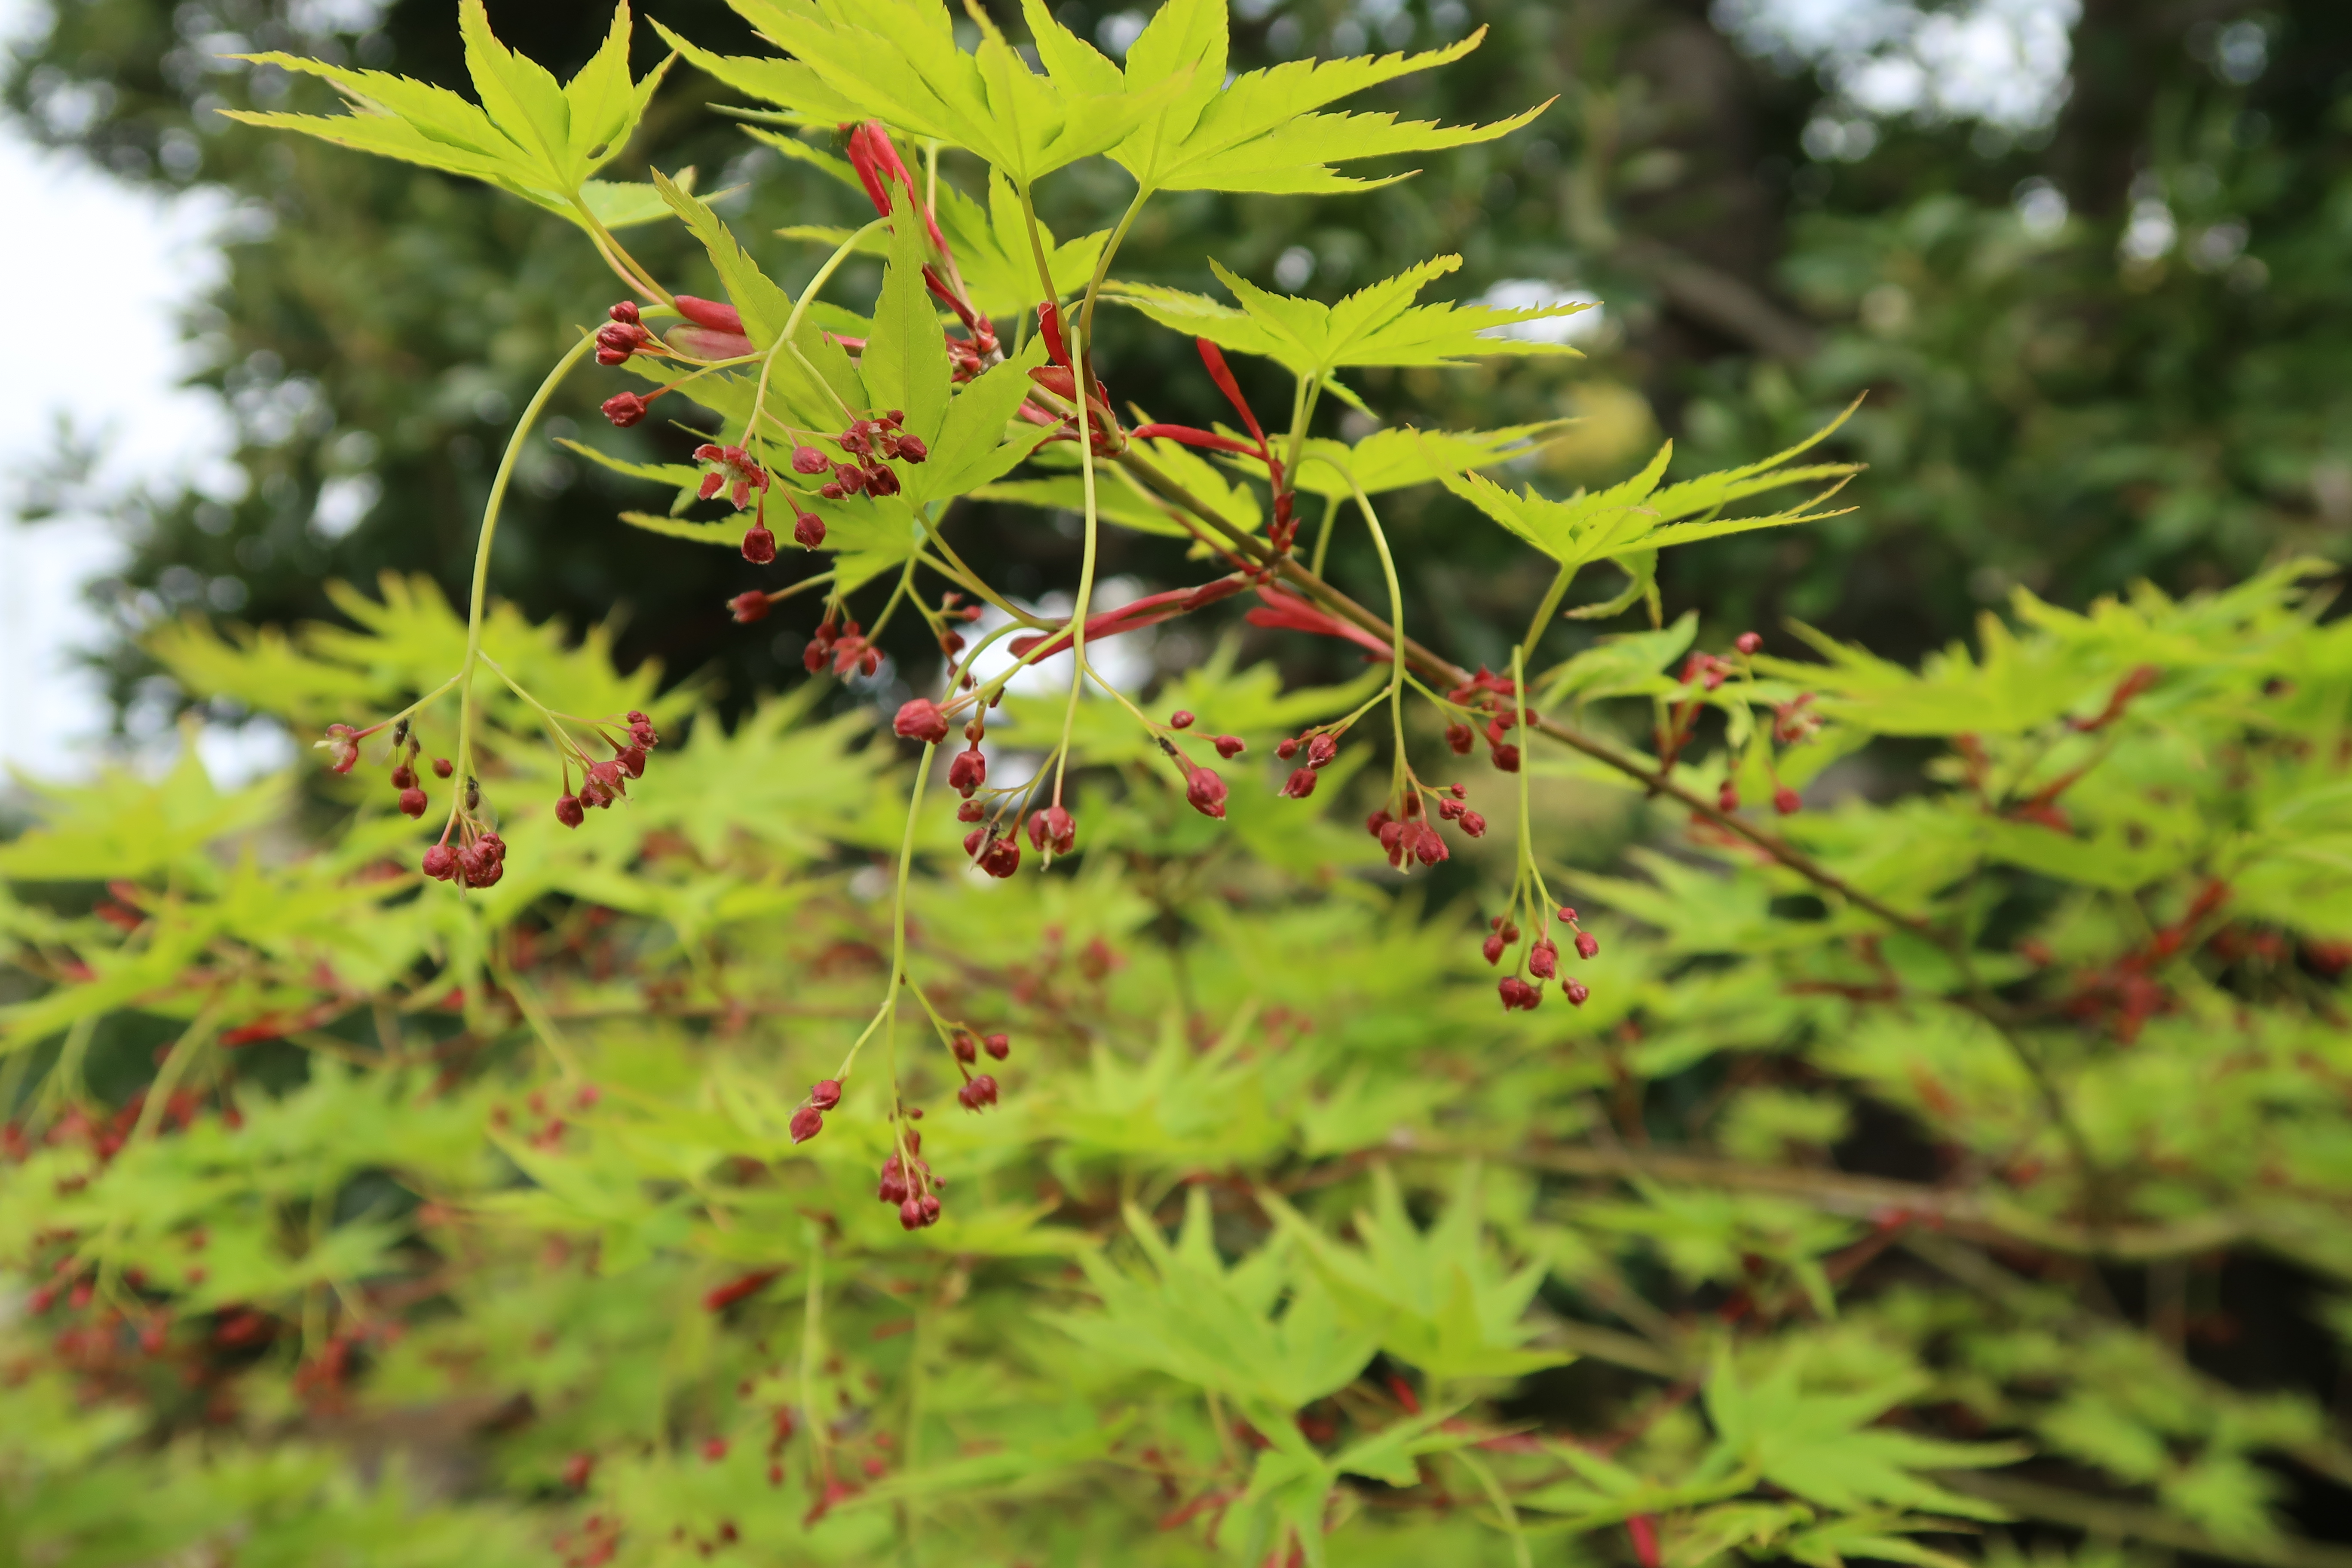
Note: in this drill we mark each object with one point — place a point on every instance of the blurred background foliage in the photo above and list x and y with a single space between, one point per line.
2100 318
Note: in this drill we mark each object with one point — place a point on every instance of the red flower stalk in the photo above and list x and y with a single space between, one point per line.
1133 615
1292 614
735 1290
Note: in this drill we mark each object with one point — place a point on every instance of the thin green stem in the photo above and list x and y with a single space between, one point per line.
479 597
1323 535
1102 263
1086 576
889 1007
1548 608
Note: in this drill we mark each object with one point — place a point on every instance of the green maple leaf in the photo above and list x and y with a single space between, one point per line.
1259 132
1377 325
530 135
1638 515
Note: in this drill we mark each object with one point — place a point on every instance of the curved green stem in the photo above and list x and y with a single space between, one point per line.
1086 575
897 914
1102 263
1548 608
1396 620
482 565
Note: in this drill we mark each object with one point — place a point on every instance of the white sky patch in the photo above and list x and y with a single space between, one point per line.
1125 660
2002 62
1535 294
109 269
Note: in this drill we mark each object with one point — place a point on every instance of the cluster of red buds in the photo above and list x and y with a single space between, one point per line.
1321 749
621 336
342 748
478 860
1407 835
603 783
846 645
1541 961
907 1184
809 1120
1491 694
869 441
979 1090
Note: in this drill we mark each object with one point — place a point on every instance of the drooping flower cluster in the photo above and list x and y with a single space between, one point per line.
1490 695
1541 961
604 781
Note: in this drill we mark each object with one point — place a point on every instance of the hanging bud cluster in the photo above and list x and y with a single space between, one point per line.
1522 990
604 781
868 442
844 646
1487 695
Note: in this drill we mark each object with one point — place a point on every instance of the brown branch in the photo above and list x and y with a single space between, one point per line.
2133 1522
1973 1213
1439 671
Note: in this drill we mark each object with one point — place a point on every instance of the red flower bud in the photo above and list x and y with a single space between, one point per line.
979 1091
1459 738
964 1047
711 313
443 767
1206 792
749 606
970 811
440 863
997 1046
412 801
1392 842
1493 947
809 461
1506 759
1474 824
1431 848
919 719
1727 797
1288 748
1320 751
968 772
1180 719
910 1215
1299 784
758 545
1575 991
341 746
806 1123
1749 642
881 481
911 449
1376 822
1543 959
625 312
1230 746
404 776
930 1208
808 530
625 409
825 1094
569 811
633 761
1586 944
1786 801
1056 826
1001 858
